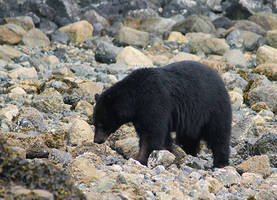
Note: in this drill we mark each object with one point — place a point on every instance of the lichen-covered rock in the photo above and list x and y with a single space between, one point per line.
266 54
162 157
267 69
34 175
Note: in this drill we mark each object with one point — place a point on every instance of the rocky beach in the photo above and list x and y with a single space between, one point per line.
56 55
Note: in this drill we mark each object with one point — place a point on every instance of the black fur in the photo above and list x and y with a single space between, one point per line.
187 97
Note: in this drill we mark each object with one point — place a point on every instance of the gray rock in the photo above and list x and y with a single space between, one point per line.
128 147
252 41
227 176
235 39
51 101
267 144
47 26
30 118
233 80
57 156
267 94
130 36
59 37
195 23
106 52
35 38
236 58
162 157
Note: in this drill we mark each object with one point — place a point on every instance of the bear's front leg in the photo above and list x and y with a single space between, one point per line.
150 141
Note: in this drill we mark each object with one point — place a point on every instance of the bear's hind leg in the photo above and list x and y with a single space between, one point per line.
217 136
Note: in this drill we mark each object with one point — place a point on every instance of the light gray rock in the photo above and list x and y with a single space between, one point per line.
35 38
233 80
236 58
162 157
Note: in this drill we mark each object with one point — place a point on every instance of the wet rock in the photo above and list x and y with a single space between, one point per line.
129 36
131 56
11 33
79 132
78 31
8 53
227 176
59 36
35 38
195 23
51 101
266 54
25 22
256 164
106 52
268 69
236 58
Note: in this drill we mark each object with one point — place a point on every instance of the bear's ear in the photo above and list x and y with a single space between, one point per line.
96 97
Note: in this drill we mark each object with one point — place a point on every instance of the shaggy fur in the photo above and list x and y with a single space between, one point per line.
186 97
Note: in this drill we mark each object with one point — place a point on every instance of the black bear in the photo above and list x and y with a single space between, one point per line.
187 97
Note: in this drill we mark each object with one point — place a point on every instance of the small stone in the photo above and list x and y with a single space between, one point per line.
8 53
236 58
79 132
184 56
23 73
43 194
236 100
35 38
79 31
63 73
267 69
8 112
256 164
134 37
84 107
227 176
128 147
83 171
51 60
131 56
162 157
175 36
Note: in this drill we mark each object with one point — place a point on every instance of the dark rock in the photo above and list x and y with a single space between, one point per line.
47 26
267 144
97 28
61 53
34 17
59 37
106 52
93 17
223 22
252 41
184 8
62 21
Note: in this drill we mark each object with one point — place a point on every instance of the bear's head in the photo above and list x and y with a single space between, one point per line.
106 119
